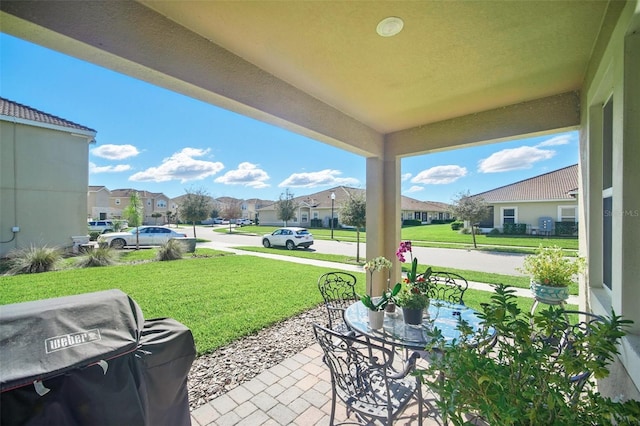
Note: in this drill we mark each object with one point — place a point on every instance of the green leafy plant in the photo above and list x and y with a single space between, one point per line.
99 256
33 259
411 297
518 375
549 266
171 250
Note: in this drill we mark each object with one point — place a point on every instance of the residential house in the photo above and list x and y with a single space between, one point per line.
44 172
448 80
316 210
155 205
103 203
538 202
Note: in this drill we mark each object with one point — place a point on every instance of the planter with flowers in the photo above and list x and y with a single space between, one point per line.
551 274
412 297
377 305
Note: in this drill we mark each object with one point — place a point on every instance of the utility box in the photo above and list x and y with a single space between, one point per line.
545 225
92 359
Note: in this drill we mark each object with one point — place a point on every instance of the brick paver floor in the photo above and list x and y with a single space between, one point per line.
295 392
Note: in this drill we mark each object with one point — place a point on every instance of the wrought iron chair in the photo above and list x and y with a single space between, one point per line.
446 286
362 377
338 290
572 342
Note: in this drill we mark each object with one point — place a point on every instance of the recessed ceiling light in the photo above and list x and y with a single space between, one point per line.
390 26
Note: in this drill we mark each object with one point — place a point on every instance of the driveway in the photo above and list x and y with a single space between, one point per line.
500 263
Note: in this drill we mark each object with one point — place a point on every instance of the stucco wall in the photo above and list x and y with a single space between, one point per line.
529 213
44 178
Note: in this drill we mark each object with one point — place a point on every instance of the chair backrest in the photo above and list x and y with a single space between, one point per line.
358 367
446 286
338 290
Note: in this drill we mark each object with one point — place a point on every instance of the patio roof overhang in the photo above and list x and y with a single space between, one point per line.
459 73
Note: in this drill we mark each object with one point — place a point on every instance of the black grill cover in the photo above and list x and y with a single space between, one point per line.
91 359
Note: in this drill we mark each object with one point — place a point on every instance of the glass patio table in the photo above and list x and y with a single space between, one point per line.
443 315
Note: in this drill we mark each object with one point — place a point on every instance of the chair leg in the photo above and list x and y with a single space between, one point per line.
333 407
420 401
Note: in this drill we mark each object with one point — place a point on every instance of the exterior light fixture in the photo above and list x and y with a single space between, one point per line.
390 26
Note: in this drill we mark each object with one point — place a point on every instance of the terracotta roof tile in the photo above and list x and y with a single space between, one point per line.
556 185
13 109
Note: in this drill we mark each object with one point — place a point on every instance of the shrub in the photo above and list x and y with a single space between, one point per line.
171 250
455 226
411 222
100 256
93 235
494 231
566 229
33 260
514 228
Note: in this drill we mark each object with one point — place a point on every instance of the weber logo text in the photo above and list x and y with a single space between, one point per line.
65 341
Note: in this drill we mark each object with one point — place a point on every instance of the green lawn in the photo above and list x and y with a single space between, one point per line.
220 298
435 236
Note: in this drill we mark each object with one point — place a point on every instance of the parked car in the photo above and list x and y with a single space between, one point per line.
243 222
148 236
290 238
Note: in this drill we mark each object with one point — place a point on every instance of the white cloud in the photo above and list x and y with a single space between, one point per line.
440 175
115 152
180 166
406 176
555 141
246 174
325 177
513 159
415 188
93 169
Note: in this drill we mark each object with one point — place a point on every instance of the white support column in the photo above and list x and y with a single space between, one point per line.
383 215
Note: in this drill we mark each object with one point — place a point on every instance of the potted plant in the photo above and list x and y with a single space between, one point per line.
551 274
377 305
518 376
412 298
413 303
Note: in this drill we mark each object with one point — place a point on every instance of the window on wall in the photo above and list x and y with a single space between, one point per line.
149 203
509 215
305 217
117 201
567 214
161 204
315 215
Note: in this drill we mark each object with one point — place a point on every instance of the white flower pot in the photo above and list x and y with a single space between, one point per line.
376 318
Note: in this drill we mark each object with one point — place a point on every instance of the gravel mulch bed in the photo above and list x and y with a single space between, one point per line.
214 374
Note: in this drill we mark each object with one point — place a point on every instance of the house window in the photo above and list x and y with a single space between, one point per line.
567 214
149 203
315 215
117 201
305 217
509 215
161 204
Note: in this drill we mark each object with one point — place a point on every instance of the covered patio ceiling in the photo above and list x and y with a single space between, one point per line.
458 73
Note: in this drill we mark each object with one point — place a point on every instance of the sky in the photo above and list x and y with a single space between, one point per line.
150 138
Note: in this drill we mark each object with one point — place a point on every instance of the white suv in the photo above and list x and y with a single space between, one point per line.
101 226
291 238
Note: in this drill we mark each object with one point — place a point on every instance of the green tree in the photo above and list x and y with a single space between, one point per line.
354 213
472 209
195 207
233 210
214 213
286 207
134 213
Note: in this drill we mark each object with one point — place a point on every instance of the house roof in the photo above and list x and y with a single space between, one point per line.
322 200
24 113
556 185
126 192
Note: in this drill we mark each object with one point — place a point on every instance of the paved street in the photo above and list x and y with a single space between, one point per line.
501 263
